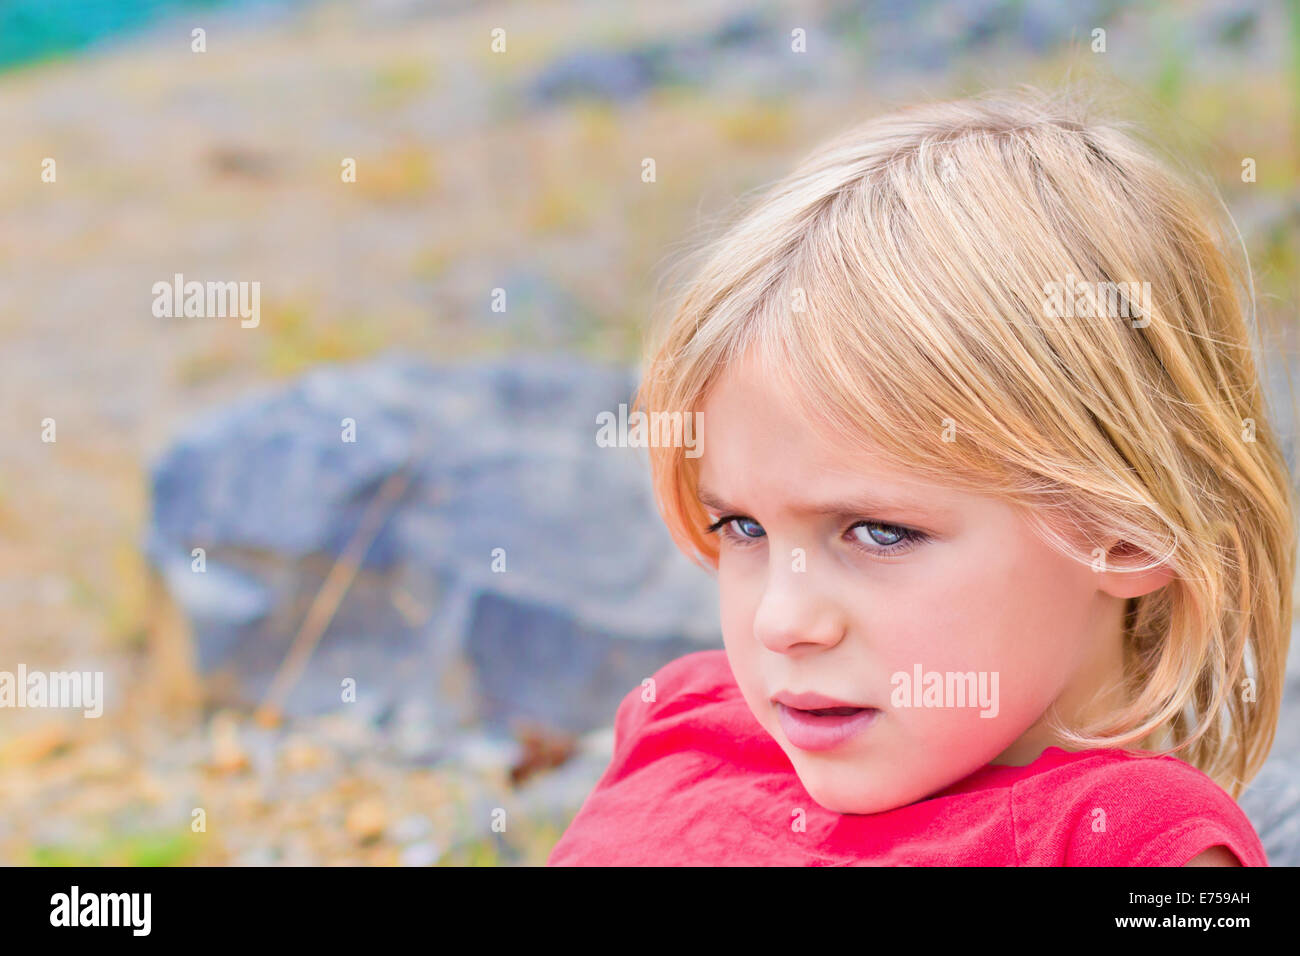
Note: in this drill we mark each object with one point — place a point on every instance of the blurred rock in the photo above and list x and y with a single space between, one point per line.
585 597
47 740
551 654
411 828
300 753
228 754
259 856
1272 802
616 75
367 820
624 74
421 854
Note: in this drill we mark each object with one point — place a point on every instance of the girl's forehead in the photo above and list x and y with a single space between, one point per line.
758 395
808 469
762 383
765 436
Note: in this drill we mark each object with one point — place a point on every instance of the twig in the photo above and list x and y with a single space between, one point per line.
330 595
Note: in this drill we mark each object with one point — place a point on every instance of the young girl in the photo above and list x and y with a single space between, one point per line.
1003 537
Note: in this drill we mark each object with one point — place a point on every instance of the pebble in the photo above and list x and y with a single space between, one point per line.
367 820
227 754
421 854
300 754
36 745
411 828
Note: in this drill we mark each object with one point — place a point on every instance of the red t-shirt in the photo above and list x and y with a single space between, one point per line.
695 780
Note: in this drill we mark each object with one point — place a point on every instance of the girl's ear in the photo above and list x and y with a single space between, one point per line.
1118 578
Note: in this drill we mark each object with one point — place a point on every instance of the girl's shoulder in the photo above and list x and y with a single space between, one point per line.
1112 807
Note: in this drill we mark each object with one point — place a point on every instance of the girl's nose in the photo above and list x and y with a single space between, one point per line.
794 614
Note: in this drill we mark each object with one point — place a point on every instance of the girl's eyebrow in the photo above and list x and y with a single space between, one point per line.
710 500
860 506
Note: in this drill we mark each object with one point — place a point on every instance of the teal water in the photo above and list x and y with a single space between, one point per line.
32 30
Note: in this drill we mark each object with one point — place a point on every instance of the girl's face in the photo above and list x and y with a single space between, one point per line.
841 579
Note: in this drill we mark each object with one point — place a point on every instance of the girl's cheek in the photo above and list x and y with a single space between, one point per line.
738 604
741 572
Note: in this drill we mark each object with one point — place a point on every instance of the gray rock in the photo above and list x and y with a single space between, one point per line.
614 75
411 829
1272 803
627 73
421 854
593 596
551 653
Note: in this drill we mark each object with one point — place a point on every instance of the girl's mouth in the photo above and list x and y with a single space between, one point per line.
824 728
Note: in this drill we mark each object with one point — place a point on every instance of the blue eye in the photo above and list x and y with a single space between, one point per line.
877 538
885 535
885 539
738 528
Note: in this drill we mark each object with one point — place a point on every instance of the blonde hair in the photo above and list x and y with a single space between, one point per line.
895 283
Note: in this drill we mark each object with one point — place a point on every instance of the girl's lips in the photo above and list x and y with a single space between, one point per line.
808 731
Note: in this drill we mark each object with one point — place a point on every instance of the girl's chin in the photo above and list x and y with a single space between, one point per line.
842 791
854 803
